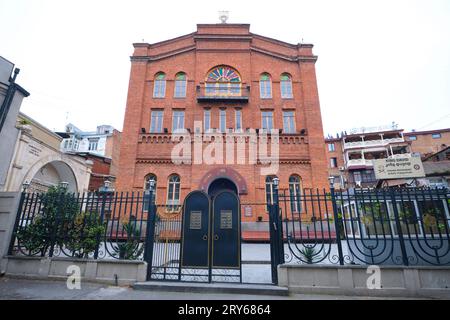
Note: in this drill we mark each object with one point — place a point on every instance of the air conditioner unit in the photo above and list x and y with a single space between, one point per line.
341 168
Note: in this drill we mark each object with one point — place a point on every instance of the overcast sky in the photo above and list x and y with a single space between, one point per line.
379 61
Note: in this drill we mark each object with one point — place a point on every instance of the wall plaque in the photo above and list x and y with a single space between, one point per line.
195 220
226 219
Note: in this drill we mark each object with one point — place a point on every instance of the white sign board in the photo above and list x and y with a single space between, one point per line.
398 168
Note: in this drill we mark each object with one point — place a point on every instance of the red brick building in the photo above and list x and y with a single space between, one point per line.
232 81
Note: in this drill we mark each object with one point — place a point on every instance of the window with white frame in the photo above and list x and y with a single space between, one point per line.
222 120
207 120
288 122
173 190
180 85
156 125
270 190
265 86
331 147
159 87
286 86
267 120
238 125
93 144
295 192
333 162
178 121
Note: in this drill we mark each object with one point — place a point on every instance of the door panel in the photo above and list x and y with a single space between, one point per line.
196 231
226 231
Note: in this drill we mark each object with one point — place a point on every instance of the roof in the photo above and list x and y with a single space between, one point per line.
414 133
437 168
435 154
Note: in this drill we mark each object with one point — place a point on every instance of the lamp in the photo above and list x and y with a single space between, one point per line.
331 179
151 184
106 187
276 182
64 184
25 186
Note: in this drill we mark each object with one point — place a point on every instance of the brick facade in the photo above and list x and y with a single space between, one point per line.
143 153
428 142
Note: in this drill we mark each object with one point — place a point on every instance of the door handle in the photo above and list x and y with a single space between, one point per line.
216 237
205 237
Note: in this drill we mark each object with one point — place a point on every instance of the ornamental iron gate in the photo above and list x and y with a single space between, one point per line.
200 241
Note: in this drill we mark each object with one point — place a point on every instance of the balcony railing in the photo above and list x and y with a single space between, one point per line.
359 163
369 162
372 143
221 92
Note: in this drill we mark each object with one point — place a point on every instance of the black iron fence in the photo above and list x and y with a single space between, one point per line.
86 225
408 226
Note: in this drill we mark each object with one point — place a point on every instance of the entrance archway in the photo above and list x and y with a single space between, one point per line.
221 184
52 174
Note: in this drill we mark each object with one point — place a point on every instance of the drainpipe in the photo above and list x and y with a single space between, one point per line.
4 109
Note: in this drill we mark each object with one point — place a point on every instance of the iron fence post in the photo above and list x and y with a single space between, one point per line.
150 234
399 227
16 223
276 240
278 218
55 227
102 214
337 223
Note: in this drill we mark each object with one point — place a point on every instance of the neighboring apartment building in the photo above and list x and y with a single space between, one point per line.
437 169
102 147
229 81
350 155
352 161
428 142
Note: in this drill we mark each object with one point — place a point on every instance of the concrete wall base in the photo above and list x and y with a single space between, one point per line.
104 271
396 281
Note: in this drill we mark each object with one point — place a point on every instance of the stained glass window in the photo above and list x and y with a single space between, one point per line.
223 74
180 85
159 89
223 80
286 86
265 86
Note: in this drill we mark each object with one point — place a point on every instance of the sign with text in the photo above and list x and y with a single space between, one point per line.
398 168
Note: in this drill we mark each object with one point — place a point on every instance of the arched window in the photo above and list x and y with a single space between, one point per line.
286 86
147 180
265 86
270 187
295 193
180 85
173 190
159 88
223 81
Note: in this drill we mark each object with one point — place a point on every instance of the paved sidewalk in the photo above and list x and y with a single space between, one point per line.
25 289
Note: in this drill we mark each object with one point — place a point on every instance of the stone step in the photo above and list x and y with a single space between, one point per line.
258 289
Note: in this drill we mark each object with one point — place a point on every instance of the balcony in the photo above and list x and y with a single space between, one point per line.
359 163
223 92
372 143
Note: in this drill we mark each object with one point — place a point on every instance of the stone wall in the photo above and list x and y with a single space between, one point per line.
430 282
